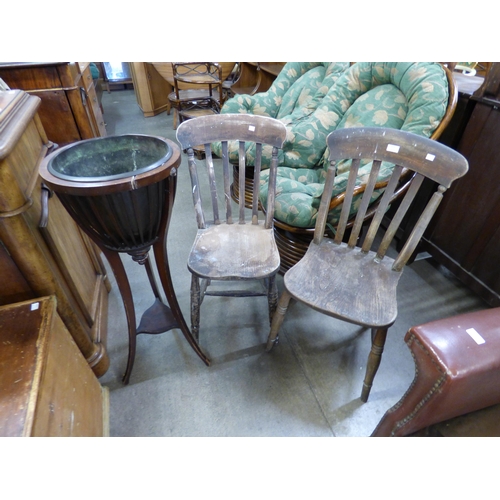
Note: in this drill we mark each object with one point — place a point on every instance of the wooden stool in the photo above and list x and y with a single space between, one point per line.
457 365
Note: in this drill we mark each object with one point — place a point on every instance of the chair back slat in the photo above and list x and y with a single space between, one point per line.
346 206
365 201
233 131
227 182
382 208
212 183
406 151
256 183
418 230
319 228
271 196
398 216
241 180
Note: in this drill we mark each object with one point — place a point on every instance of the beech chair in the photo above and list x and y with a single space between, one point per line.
237 249
358 284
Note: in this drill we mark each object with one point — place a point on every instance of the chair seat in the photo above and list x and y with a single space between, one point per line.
195 112
353 287
219 251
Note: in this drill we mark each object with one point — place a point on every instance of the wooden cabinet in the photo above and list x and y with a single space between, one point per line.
151 89
46 386
464 235
41 255
70 110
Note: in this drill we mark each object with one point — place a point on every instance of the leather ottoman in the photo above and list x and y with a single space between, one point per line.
457 371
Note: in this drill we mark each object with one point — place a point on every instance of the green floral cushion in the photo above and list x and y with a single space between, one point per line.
294 96
407 96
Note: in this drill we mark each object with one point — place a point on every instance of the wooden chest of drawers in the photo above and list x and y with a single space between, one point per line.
46 386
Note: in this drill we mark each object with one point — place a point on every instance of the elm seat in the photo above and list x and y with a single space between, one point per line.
358 285
456 372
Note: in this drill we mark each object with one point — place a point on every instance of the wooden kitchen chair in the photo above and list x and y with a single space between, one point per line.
354 284
230 249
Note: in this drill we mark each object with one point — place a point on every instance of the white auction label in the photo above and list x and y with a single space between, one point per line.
392 148
475 336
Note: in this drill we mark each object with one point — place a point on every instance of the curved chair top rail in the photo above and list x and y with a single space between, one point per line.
409 150
260 129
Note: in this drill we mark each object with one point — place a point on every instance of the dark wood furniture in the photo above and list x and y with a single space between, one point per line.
232 84
354 284
123 201
256 77
70 110
465 235
234 250
45 253
47 389
457 371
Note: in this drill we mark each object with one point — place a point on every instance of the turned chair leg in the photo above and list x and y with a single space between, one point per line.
278 317
195 306
378 341
272 297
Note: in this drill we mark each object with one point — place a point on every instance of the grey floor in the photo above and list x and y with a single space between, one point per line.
309 385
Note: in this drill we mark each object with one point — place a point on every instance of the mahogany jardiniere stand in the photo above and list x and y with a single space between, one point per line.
120 190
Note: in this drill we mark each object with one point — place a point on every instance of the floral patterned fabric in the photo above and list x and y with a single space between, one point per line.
294 96
318 98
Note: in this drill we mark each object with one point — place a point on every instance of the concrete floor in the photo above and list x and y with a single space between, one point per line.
309 385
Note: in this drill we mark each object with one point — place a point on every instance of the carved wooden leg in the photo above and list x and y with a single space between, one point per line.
163 267
125 291
195 306
378 341
278 317
272 297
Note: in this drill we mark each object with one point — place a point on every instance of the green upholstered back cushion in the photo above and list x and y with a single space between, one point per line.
408 96
301 92
382 106
269 103
298 89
